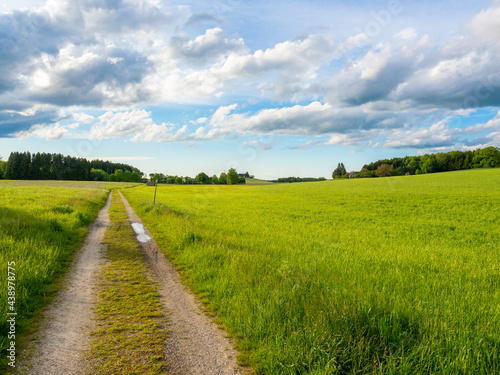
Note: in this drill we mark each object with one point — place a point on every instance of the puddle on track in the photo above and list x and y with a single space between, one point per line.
141 233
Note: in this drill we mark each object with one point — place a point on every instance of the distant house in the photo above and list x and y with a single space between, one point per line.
245 175
150 183
353 175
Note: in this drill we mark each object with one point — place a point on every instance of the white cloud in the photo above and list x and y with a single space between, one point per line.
49 133
355 138
435 136
287 120
486 24
407 34
212 44
136 124
279 70
374 62
83 118
493 124
303 56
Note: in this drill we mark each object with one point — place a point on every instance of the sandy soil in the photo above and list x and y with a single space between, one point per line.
63 337
195 345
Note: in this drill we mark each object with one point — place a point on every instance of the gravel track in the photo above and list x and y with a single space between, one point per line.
195 345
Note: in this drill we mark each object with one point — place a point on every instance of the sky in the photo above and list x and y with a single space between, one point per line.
275 88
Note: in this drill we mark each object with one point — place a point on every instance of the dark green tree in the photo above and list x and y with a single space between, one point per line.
46 168
232 177
136 177
223 178
203 178
57 167
12 172
339 171
488 157
98 175
36 167
25 166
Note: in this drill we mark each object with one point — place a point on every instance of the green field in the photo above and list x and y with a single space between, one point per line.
385 276
42 223
372 276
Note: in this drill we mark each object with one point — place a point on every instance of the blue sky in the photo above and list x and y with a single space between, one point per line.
276 88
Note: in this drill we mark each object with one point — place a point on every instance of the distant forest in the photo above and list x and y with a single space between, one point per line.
44 166
488 157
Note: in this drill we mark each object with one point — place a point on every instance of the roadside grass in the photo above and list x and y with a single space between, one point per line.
42 224
369 276
129 338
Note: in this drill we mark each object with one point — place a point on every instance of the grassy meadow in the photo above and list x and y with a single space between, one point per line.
363 276
42 223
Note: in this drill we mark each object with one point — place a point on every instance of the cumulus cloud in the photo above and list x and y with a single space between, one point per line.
211 45
13 123
49 133
486 24
492 125
301 55
280 70
315 118
136 124
436 136
76 76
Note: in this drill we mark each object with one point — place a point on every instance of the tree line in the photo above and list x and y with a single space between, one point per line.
45 166
230 178
488 157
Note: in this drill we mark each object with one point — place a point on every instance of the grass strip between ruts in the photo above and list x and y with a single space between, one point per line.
129 336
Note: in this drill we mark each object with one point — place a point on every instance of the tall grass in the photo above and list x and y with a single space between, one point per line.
41 225
373 276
